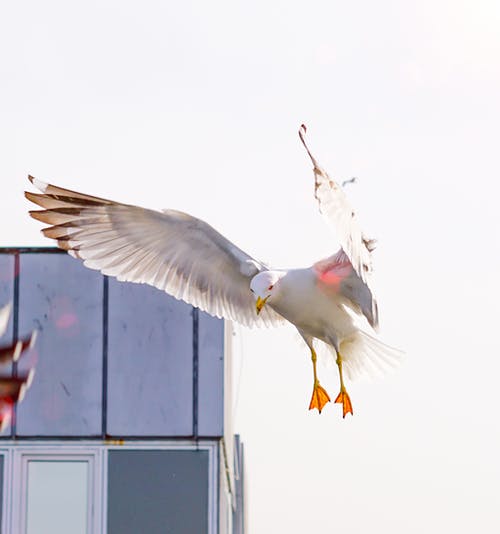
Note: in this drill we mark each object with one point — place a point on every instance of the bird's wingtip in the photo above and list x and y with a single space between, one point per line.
41 186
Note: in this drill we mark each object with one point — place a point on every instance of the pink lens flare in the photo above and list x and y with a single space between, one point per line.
66 320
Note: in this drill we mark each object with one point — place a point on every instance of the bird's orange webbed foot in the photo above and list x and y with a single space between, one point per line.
319 397
343 398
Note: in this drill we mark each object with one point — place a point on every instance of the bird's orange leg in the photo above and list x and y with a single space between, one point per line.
319 396
343 396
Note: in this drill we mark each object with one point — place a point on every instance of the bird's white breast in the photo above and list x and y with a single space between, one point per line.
304 301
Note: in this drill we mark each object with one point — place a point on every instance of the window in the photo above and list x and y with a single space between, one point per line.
56 492
108 488
158 491
57 497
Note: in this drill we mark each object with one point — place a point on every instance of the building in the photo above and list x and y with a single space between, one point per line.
126 428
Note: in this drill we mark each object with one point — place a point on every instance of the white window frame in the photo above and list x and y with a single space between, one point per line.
19 476
15 479
6 492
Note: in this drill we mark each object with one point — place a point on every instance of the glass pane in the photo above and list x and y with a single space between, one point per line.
57 497
157 492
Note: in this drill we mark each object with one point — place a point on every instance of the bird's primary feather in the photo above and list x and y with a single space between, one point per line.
4 318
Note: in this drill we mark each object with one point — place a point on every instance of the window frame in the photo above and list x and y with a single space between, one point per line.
6 494
211 446
15 479
21 456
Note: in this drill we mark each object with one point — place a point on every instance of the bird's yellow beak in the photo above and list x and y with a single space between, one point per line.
260 304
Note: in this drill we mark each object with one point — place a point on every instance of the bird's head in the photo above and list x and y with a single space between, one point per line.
263 286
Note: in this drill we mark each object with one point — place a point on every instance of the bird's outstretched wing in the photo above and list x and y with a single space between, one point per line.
336 209
170 250
13 388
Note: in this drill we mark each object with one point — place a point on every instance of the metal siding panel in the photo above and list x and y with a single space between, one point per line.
150 362
63 299
7 276
157 492
210 376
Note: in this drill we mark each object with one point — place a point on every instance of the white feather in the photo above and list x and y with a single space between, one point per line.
364 354
4 318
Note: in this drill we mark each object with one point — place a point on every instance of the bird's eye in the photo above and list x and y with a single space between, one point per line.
270 287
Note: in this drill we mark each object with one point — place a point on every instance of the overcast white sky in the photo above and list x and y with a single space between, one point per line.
195 105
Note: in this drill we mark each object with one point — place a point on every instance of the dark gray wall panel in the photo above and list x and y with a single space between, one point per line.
150 363
210 376
157 492
64 300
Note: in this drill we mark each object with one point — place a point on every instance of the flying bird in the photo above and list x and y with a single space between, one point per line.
330 301
12 388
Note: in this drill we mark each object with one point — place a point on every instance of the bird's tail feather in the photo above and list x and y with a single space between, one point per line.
365 355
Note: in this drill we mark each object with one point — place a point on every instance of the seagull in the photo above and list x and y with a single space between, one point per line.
13 388
331 301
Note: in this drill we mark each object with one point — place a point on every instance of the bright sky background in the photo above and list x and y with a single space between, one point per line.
195 105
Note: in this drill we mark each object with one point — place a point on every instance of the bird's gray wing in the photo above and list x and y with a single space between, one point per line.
170 250
361 295
339 215
337 272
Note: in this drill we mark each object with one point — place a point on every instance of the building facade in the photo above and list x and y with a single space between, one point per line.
126 427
